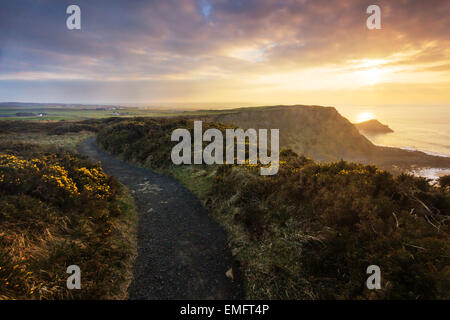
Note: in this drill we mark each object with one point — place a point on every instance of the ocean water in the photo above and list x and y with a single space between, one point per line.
424 128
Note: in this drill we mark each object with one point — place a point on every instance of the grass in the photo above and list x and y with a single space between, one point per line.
40 242
196 179
45 226
311 231
67 141
125 237
255 257
78 114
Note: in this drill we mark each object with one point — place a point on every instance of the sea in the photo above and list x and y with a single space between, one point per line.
423 128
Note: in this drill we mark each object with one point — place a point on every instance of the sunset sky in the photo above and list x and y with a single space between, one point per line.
223 51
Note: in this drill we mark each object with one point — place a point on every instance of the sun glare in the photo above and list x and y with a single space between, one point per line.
370 76
365 116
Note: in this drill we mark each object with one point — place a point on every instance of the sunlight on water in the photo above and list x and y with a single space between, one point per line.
424 128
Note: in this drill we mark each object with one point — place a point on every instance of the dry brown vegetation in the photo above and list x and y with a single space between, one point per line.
59 209
312 230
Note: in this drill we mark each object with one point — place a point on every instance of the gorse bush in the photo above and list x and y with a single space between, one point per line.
146 141
59 178
58 209
444 181
319 226
312 230
51 128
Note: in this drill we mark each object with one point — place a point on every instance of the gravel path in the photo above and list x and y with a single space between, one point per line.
182 253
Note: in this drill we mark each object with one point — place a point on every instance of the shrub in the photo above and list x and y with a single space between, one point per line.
312 230
59 209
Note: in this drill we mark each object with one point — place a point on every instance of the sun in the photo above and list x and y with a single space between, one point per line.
371 76
364 116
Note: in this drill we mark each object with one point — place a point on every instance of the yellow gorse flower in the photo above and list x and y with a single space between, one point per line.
95 182
51 172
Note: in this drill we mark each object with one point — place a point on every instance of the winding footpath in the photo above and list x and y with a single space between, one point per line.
182 253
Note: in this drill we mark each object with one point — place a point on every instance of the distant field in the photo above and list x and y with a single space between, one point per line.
67 141
55 114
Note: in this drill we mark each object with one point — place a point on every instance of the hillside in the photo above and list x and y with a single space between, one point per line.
322 134
59 209
310 231
317 132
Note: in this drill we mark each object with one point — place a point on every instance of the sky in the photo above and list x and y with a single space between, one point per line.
225 51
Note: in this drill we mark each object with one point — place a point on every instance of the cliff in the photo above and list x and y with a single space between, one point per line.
321 133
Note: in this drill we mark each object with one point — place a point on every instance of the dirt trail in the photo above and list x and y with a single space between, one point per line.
182 253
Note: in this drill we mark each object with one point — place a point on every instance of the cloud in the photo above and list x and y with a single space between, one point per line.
210 42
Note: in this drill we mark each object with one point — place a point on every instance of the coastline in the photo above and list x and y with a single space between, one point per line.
431 173
431 153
